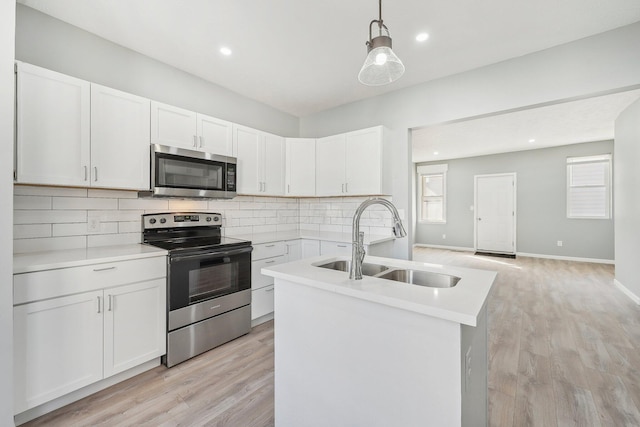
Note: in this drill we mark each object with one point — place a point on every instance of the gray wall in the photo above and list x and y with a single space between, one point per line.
541 204
627 201
7 21
605 62
53 44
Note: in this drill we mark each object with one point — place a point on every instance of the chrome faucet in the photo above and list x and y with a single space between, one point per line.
357 252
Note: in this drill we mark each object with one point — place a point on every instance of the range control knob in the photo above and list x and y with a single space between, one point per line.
216 218
163 220
208 219
152 221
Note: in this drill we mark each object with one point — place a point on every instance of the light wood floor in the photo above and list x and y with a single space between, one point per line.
564 351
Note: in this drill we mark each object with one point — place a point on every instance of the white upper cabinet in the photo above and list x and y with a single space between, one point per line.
52 128
352 164
182 128
300 167
330 164
173 126
119 139
364 162
215 135
260 161
74 133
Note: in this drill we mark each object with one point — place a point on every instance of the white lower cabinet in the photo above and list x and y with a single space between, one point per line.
64 343
264 255
310 248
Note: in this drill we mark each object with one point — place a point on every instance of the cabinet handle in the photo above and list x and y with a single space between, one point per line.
343 187
95 175
269 262
342 246
269 246
105 269
195 141
85 173
264 186
346 187
288 188
110 302
269 290
201 142
99 311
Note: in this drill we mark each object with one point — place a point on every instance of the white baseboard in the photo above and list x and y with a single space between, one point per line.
452 248
626 291
568 258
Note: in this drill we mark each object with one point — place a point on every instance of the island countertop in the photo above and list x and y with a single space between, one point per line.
462 303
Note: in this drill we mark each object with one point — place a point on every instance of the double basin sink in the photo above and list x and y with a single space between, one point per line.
413 277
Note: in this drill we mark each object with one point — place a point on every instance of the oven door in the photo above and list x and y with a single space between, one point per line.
198 277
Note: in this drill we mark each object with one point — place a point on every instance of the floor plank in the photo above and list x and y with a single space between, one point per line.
564 350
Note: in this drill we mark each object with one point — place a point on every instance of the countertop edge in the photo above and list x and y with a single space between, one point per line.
53 260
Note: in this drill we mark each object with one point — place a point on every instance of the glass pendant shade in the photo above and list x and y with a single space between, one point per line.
381 66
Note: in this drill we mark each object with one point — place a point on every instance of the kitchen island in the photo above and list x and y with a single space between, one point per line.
379 352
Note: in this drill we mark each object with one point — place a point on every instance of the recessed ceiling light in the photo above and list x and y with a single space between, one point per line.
435 153
225 51
422 37
531 141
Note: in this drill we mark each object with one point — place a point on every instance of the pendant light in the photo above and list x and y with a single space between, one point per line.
381 66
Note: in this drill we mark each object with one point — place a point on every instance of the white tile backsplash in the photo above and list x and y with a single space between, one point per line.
50 218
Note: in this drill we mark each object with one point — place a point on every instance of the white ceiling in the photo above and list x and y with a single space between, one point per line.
572 122
302 56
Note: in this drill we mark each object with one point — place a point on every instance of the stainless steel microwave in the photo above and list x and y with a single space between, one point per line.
189 174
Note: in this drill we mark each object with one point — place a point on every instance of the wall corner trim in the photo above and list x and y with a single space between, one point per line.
626 291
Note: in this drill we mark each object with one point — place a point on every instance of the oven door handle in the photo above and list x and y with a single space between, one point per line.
210 254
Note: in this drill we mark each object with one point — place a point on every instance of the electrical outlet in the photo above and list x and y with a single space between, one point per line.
559 242
94 225
444 236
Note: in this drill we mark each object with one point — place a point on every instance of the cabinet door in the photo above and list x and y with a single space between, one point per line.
134 325
330 165
215 135
262 302
52 127
272 159
294 250
247 144
119 139
57 347
364 162
173 126
310 248
301 167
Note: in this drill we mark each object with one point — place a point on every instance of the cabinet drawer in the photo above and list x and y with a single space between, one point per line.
66 281
261 302
335 248
259 280
268 250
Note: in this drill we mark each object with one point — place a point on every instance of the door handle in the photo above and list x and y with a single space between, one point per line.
95 174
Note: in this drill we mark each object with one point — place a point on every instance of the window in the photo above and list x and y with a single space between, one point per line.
432 188
589 187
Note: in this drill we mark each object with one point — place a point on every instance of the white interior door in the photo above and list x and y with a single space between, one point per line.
495 209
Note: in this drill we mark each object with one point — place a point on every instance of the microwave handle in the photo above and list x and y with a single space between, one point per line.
210 254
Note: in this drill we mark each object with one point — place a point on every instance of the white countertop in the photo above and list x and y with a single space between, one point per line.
461 303
258 238
38 261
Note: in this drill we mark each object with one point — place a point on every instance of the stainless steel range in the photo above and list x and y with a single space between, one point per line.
208 282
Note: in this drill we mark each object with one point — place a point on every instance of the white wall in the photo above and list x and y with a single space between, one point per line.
53 44
627 199
7 25
597 64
